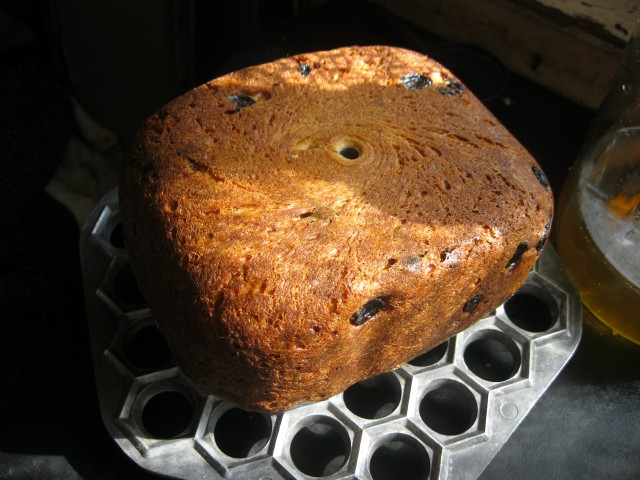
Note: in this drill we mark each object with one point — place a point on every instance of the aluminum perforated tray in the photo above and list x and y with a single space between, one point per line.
443 415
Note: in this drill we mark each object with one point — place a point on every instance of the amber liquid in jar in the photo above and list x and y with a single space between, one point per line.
598 232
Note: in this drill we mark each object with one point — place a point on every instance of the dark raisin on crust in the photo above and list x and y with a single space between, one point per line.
472 303
304 69
240 101
321 212
541 243
367 311
451 88
543 239
416 81
446 92
542 178
454 85
515 259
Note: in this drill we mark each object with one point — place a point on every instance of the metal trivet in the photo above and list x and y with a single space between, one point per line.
443 415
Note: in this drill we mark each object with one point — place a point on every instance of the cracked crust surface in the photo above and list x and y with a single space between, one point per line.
305 224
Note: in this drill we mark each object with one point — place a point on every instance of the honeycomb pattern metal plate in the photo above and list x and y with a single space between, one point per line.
443 415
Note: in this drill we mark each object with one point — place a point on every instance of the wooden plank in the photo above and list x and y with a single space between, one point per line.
573 52
615 18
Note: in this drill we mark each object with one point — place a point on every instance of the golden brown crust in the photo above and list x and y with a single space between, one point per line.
281 271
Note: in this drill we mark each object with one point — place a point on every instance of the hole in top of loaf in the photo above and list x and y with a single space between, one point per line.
349 152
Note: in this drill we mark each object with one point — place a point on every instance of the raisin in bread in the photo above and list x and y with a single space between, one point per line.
305 224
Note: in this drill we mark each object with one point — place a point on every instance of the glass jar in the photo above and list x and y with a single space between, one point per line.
598 220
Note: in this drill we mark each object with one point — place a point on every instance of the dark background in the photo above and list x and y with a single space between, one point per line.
122 67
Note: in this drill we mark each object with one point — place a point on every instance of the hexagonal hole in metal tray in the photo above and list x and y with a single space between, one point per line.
232 437
494 356
451 409
398 455
241 434
319 446
534 309
119 289
374 398
141 347
167 414
107 232
432 357
159 410
116 235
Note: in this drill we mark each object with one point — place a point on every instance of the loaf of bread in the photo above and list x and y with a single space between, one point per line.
305 224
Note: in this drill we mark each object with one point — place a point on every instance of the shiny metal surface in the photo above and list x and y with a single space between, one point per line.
444 415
